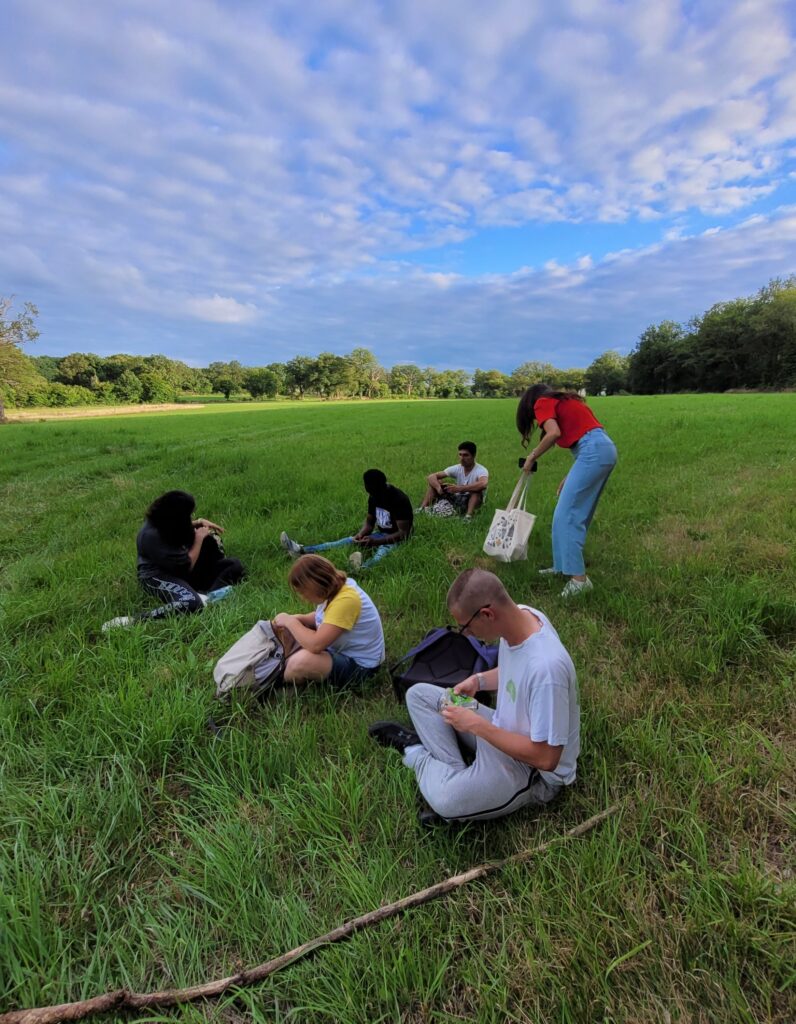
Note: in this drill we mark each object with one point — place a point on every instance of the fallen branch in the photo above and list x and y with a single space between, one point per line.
123 999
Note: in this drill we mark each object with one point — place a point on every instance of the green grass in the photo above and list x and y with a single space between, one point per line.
139 851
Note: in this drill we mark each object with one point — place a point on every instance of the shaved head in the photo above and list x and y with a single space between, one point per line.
476 588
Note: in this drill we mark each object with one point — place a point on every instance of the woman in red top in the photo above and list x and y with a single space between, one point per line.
565 420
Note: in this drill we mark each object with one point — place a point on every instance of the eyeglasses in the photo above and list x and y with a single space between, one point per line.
466 626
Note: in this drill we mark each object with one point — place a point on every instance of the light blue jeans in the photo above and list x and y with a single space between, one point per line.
595 458
378 553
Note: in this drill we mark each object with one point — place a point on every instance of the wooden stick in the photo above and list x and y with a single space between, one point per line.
123 999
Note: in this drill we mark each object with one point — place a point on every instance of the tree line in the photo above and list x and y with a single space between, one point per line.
744 343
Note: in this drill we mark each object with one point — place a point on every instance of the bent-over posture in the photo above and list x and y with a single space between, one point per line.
342 641
181 560
474 764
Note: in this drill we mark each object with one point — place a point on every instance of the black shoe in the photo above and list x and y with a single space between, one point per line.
393 734
429 818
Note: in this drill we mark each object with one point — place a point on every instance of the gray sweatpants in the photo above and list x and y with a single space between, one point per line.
492 786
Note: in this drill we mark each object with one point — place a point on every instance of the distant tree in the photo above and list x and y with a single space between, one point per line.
226 378
570 380
298 375
127 387
156 388
79 368
532 372
491 384
16 370
608 373
405 379
61 395
330 375
452 384
661 361
278 370
367 375
773 326
261 382
47 366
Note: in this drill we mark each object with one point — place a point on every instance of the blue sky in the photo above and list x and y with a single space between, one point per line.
445 182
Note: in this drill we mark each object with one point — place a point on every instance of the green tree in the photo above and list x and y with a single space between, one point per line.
298 375
127 387
47 366
451 384
16 370
261 382
491 384
367 375
661 360
532 372
608 373
156 388
79 368
226 378
330 376
405 379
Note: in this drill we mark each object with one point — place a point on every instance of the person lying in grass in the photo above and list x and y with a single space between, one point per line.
474 764
181 560
342 641
387 523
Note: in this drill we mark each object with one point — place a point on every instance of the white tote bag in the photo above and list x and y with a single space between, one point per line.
511 527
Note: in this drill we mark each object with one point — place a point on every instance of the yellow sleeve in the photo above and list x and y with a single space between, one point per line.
344 609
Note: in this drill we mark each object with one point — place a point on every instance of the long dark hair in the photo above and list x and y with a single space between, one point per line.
525 417
172 516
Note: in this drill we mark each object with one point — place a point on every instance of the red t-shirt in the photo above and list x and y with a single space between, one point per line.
574 418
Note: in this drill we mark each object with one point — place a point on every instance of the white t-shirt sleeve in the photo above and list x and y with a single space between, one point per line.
453 471
549 713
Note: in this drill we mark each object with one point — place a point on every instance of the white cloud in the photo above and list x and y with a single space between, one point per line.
221 310
189 159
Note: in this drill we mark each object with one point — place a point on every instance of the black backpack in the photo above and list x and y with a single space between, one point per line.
443 657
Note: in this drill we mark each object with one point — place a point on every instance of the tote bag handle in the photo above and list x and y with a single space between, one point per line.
517 499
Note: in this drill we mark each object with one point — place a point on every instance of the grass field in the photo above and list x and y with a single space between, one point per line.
140 851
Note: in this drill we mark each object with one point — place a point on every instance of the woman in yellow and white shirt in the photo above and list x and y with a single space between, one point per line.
342 641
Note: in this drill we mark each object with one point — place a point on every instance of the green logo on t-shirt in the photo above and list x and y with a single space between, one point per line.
511 689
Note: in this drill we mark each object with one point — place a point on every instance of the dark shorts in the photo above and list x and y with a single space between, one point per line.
346 672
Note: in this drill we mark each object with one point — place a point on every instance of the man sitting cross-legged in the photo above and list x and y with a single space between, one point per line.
474 764
388 522
470 481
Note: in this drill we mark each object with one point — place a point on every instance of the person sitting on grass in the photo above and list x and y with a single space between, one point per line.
474 764
470 481
180 559
388 522
342 641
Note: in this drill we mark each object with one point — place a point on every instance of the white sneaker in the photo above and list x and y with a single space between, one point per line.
292 548
121 620
548 572
355 560
575 587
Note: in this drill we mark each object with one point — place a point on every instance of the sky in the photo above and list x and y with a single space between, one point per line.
446 182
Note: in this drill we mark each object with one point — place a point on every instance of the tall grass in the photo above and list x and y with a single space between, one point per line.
140 850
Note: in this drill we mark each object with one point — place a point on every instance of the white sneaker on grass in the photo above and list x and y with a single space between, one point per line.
120 620
355 560
548 572
576 587
292 548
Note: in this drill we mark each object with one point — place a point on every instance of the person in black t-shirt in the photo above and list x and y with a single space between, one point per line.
388 522
180 559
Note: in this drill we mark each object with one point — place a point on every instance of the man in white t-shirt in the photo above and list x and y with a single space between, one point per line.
470 481
473 764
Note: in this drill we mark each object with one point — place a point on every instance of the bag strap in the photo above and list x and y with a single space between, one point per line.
517 499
